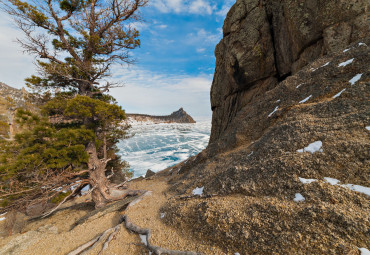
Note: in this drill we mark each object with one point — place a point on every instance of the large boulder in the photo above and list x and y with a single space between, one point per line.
266 41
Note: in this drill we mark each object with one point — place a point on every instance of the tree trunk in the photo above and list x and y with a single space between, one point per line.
98 181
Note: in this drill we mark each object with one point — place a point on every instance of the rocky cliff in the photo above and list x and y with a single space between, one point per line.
287 169
266 41
179 116
10 100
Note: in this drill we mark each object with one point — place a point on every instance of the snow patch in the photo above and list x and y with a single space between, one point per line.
358 188
362 44
368 128
331 181
355 79
276 108
346 50
325 64
298 197
306 181
250 154
299 85
277 101
345 63
337 95
162 215
198 191
312 148
143 239
306 99
364 251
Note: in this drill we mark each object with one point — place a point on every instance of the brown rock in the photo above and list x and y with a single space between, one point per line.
266 41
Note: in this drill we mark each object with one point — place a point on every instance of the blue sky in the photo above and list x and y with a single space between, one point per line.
175 62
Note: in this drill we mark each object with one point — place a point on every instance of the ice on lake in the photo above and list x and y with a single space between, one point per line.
159 146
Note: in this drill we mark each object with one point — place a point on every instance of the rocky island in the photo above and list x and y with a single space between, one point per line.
179 116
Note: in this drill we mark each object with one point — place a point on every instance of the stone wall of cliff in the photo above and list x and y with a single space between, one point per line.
266 41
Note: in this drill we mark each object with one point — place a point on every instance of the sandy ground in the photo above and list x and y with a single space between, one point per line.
54 235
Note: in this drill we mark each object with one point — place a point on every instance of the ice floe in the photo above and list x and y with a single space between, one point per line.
276 108
306 181
345 63
298 197
305 100
337 95
198 191
355 79
312 148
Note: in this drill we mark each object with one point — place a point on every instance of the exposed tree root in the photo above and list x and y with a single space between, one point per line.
147 232
116 206
106 236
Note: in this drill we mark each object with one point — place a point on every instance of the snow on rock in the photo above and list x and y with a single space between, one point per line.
236 253
198 191
2 218
358 188
298 197
364 251
345 63
337 95
305 100
162 215
299 85
368 128
346 50
325 64
331 181
306 181
355 79
312 148
362 44
276 108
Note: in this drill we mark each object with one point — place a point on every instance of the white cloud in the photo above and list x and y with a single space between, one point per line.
167 6
162 26
159 93
204 37
182 6
14 65
225 8
201 50
201 7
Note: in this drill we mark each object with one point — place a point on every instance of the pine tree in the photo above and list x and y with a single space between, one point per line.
76 42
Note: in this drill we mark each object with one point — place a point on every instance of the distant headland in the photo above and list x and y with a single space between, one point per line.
179 116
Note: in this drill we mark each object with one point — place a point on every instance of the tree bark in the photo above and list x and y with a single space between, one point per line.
98 180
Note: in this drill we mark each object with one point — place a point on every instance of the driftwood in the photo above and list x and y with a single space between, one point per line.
147 232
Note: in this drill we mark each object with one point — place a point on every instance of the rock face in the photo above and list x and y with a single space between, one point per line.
10 100
179 116
266 41
289 148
